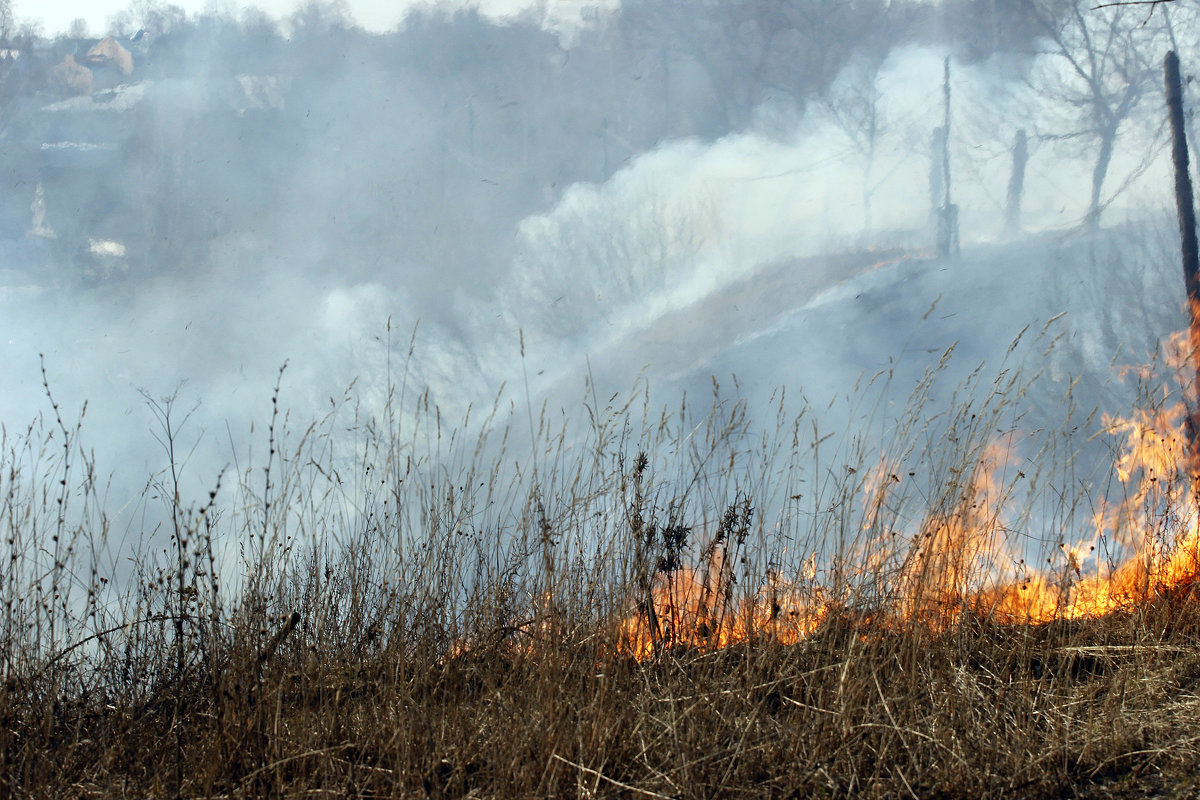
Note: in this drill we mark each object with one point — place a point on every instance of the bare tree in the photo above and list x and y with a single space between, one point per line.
754 52
156 16
316 18
1101 64
852 102
598 256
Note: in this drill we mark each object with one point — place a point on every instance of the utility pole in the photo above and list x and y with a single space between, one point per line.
947 214
1188 246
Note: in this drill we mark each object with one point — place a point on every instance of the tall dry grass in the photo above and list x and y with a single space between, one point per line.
385 606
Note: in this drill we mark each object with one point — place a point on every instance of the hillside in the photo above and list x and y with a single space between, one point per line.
474 410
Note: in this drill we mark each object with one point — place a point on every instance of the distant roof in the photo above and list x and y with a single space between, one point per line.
110 51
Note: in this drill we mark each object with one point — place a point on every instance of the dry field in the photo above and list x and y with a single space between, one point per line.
677 604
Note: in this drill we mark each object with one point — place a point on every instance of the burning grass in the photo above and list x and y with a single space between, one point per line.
678 604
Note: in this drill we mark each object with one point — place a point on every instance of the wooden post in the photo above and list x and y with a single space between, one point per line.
935 172
946 132
1187 239
1016 184
947 229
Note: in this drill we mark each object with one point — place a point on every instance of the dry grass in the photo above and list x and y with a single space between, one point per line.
431 616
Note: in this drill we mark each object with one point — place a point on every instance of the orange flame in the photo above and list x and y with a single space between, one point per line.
958 561
689 608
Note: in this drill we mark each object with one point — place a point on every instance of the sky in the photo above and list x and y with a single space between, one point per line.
374 15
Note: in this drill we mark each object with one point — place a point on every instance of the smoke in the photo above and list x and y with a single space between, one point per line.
689 220
487 204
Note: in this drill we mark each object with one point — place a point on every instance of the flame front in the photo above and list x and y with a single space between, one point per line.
957 562
688 608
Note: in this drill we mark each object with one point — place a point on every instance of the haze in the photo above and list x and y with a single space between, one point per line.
672 193
377 16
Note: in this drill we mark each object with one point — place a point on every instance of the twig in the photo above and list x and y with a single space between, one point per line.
103 633
266 767
798 704
897 728
278 638
1114 649
613 781
1131 3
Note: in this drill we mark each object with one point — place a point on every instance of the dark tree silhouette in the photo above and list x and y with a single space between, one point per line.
1102 67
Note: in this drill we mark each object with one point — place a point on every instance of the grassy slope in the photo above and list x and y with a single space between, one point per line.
456 627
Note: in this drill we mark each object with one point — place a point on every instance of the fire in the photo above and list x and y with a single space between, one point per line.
692 608
957 561
953 548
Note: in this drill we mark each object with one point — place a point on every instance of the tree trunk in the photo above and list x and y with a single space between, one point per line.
866 201
1187 238
946 131
1108 135
947 238
1016 184
936 188
867 190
